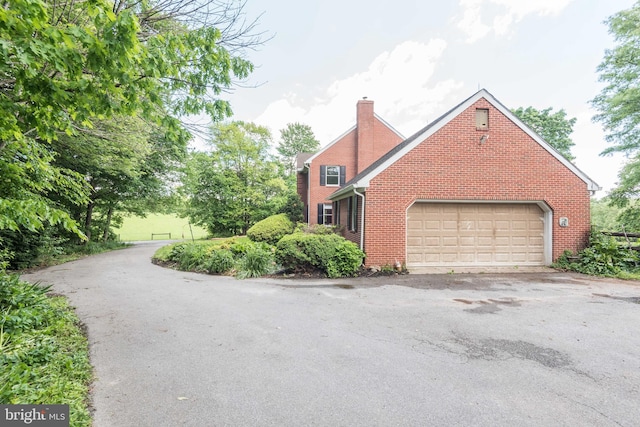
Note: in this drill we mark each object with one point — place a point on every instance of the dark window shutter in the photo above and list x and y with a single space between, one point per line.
343 170
349 207
320 213
323 175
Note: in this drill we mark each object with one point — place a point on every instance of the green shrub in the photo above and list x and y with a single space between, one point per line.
318 228
271 229
176 252
193 258
220 261
293 207
604 257
256 262
44 356
240 246
345 261
329 253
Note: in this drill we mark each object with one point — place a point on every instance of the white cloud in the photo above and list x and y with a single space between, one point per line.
502 14
399 82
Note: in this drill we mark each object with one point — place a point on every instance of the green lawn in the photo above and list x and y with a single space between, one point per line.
161 225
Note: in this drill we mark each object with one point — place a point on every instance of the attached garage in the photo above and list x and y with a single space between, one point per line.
476 234
476 187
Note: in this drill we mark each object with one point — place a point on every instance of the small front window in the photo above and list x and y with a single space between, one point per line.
327 214
333 175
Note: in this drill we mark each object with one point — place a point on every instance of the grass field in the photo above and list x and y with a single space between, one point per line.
135 228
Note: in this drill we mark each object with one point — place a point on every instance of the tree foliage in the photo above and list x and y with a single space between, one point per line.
618 103
618 106
296 138
74 75
553 127
237 184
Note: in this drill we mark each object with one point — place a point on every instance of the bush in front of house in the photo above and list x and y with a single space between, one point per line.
237 255
603 257
332 254
271 229
220 261
256 261
193 258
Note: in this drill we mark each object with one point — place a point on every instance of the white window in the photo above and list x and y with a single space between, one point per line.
327 214
333 175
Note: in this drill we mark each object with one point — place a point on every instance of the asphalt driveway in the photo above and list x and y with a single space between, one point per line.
173 348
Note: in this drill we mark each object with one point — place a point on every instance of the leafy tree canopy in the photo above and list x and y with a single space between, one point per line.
553 127
618 104
296 138
67 68
237 184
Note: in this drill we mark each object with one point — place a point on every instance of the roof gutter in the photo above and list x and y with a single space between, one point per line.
344 191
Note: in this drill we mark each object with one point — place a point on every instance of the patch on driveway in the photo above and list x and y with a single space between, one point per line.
634 300
489 306
500 349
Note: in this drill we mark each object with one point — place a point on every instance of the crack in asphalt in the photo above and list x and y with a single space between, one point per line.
596 410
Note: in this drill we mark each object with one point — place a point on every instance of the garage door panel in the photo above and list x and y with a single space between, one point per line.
416 242
415 225
502 224
484 258
520 241
450 225
442 234
467 241
432 225
450 241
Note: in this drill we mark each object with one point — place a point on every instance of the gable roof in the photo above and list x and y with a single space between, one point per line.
363 179
351 129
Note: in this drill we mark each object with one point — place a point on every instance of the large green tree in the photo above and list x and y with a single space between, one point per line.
68 67
296 138
128 164
554 127
618 105
238 183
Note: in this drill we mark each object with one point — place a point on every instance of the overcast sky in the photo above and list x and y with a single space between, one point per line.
417 58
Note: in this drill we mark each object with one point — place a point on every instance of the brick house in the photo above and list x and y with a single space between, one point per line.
320 174
476 187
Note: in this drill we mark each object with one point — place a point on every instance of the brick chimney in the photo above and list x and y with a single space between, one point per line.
364 142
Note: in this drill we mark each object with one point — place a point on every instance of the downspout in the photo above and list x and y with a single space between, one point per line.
362 219
308 166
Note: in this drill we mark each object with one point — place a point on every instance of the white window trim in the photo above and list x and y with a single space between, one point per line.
326 176
327 207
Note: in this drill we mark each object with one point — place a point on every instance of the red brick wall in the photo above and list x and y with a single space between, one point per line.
453 165
343 153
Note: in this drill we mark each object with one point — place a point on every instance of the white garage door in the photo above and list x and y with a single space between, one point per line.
474 234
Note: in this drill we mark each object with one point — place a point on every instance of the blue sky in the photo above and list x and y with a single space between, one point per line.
416 59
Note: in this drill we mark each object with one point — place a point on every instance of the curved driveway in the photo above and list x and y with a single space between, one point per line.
173 348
